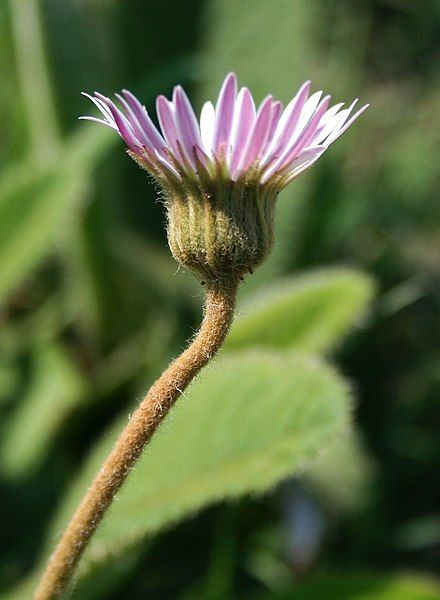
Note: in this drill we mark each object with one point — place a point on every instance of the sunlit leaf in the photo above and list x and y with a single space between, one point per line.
252 419
311 312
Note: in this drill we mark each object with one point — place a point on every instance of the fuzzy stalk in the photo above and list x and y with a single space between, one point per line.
218 315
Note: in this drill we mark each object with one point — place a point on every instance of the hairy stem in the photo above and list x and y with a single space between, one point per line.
218 314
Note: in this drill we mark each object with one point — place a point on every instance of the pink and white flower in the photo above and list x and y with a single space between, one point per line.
267 144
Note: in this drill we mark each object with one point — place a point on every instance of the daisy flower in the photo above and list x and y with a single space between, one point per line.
267 143
221 173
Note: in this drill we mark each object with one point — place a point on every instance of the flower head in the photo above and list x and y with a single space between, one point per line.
225 170
269 144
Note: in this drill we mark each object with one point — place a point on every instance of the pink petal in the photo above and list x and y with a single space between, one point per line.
300 141
244 119
287 123
101 106
334 136
136 126
327 123
165 163
277 109
299 168
123 125
258 137
338 121
331 113
224 113
145 121
187 125
165 114
304 156
309 108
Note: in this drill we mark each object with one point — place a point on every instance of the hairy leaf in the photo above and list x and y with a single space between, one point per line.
252 419
311 312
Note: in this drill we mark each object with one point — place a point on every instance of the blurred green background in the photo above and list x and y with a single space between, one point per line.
92 307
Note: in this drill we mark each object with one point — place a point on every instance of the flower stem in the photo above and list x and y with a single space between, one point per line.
218 314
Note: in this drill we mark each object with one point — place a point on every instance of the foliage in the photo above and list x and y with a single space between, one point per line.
56 382
218 443
92 306
311 312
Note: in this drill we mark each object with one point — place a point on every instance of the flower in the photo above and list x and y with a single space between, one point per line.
221 175
268 143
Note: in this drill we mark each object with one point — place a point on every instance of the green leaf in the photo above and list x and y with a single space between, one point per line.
360 586
251 419
311 312
36 205
56 387
32 217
